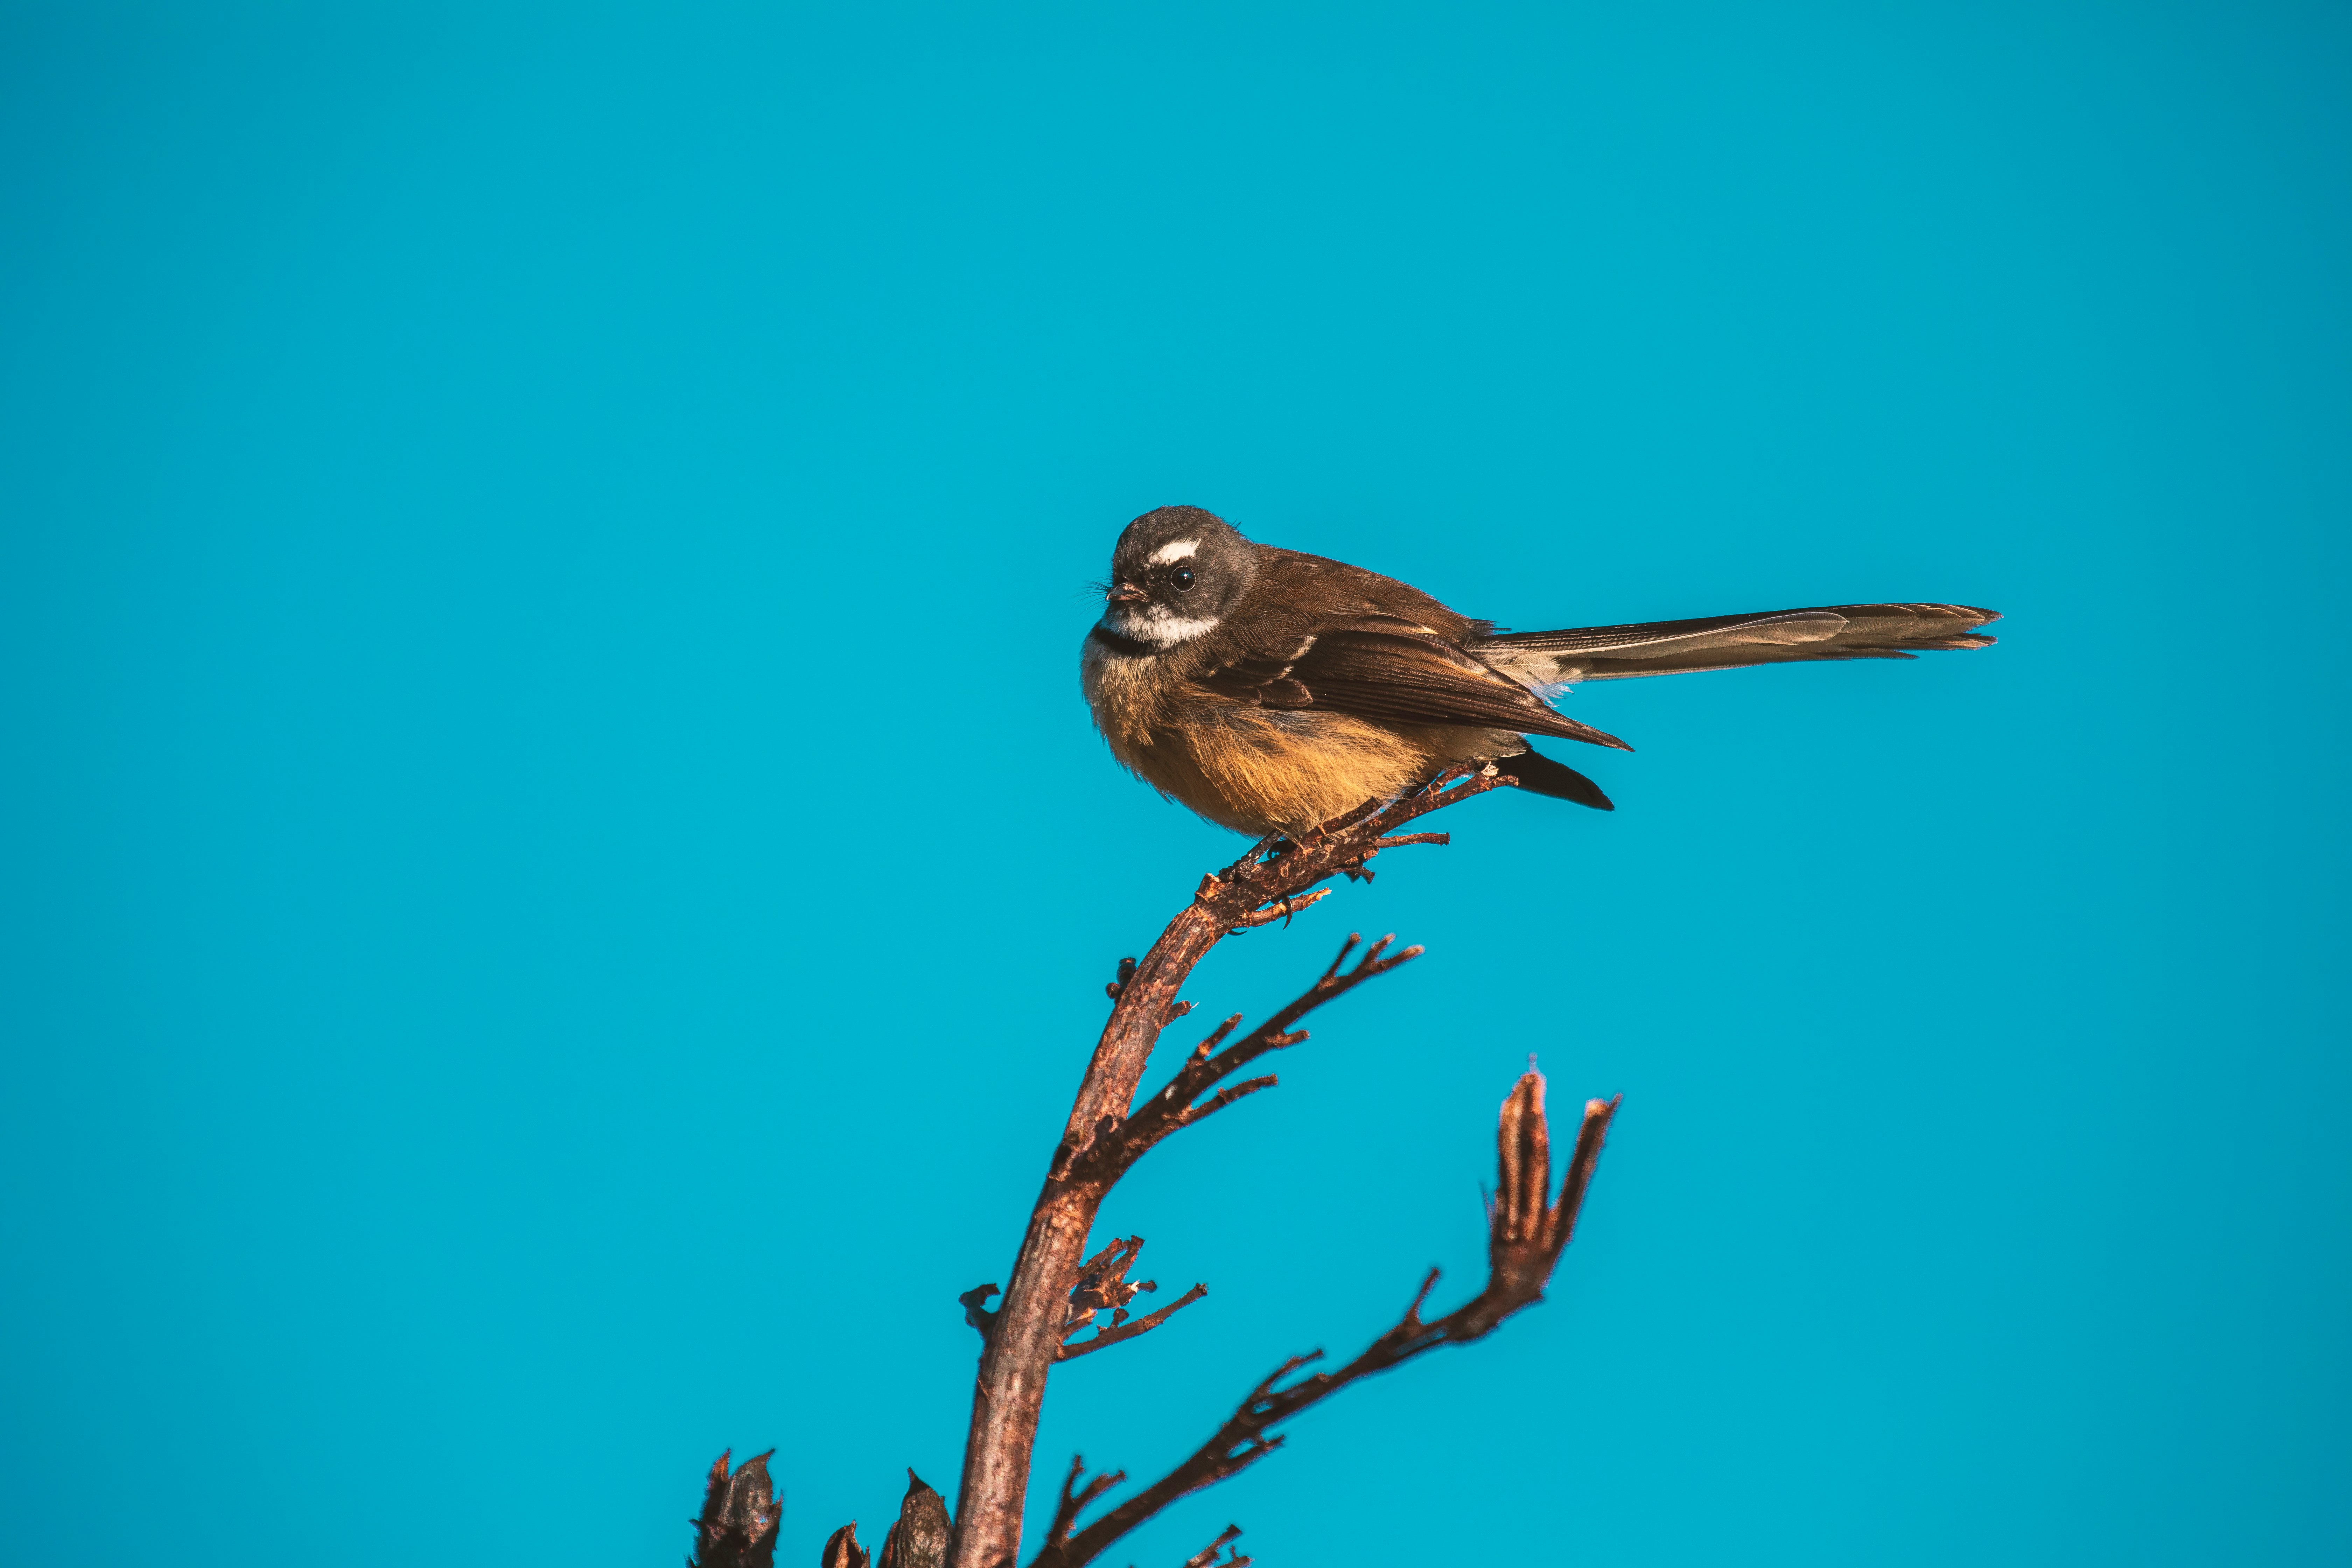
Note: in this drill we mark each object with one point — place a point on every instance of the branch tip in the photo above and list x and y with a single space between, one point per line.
1207 1556
1346 948
1117 1332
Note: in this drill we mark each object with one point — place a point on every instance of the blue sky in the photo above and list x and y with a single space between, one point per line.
556 884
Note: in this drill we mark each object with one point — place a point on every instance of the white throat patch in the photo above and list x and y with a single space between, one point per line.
1156 625
1180 550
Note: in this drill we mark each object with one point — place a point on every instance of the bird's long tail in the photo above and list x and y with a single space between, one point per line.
1732 642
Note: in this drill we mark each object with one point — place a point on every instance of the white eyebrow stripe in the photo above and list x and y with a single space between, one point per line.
1181 549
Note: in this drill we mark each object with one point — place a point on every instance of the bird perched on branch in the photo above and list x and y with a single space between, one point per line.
1269 689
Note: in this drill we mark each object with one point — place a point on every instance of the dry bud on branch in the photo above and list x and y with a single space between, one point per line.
842 1551
738 1527
919 1538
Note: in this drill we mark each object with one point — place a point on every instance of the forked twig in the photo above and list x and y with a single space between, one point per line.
1074 1497
1115 1151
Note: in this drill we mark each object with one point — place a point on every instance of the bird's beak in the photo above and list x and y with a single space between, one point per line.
1126 594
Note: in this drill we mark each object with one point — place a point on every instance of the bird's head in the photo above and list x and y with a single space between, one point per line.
1174 574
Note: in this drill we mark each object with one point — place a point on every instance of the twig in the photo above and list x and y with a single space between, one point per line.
1102 1283
1524 1239
1066 1513
1207 1556
1115 1152
1282 909
1143 1325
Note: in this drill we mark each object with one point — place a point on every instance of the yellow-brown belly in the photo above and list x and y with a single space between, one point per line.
1257 769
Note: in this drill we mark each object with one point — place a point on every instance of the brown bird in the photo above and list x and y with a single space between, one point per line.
1272 691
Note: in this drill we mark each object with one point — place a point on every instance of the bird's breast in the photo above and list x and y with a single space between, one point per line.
1128 689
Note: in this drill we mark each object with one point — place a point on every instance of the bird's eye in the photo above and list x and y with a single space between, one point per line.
1182 579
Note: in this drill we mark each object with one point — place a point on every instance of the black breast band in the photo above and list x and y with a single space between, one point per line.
1115 642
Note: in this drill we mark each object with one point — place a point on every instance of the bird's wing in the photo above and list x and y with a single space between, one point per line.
1392 671
1729 642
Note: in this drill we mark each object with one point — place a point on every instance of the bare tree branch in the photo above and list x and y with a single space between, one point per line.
1022 1339
1524 1239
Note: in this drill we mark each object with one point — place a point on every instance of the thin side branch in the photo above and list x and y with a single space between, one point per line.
1207 1556
1524 1239
1075 1498
1281 909
1103 1286
1143 1325
1118 1148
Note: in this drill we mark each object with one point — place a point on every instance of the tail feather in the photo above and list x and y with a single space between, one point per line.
1732 642
1539 774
